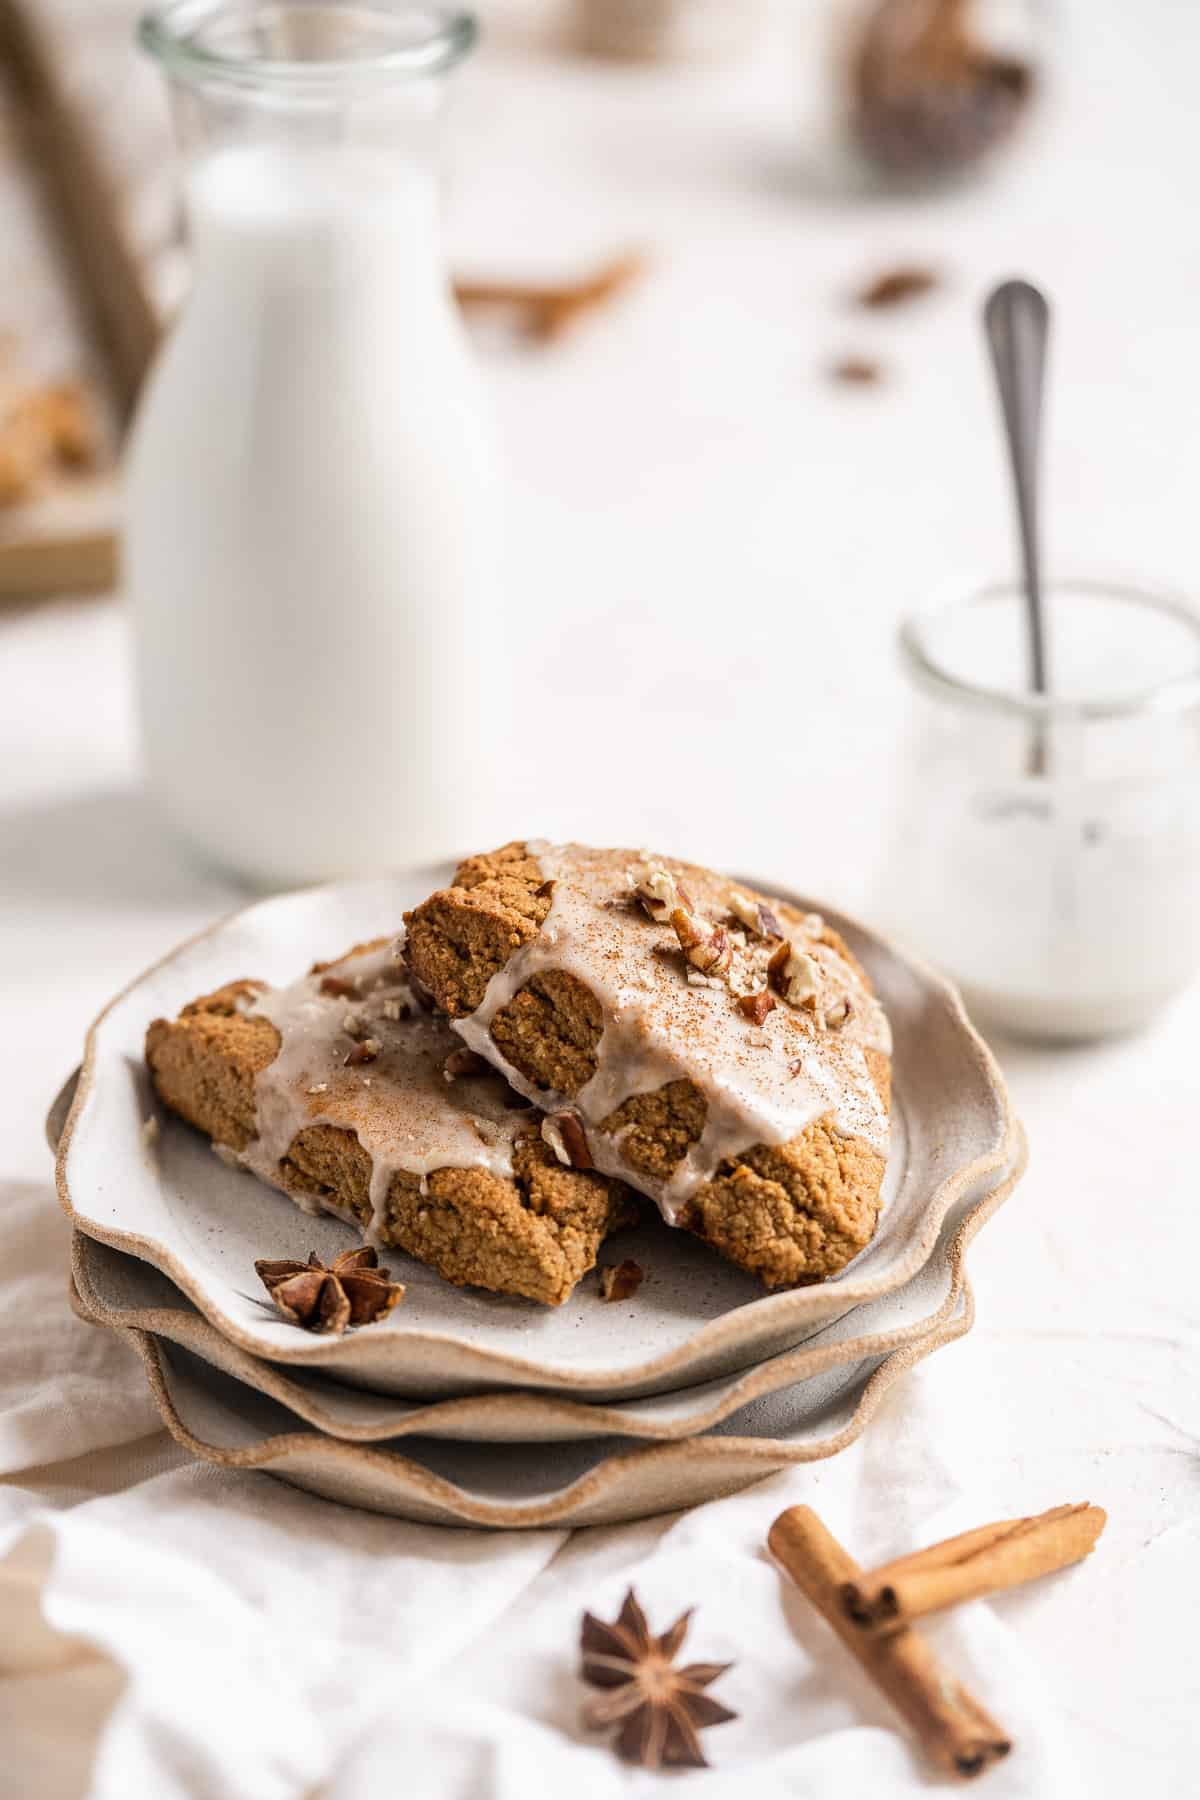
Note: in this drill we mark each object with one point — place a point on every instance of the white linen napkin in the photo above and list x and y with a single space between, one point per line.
177 1631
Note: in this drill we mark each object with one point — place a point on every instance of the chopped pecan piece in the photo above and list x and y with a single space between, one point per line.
621 1281
707 947
757 1006
894 286
794 974
768 924
856 371
655 887
754 914
564 1133
696 979
339 987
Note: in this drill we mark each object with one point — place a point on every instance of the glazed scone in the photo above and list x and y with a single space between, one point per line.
345 1092
721 1051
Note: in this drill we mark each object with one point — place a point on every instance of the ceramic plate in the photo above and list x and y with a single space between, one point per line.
527 1486
119 1290
176 1206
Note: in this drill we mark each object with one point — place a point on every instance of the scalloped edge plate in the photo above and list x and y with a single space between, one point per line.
119 1291
697 1319
528 1487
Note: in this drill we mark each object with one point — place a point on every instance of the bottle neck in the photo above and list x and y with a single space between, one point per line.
309 129
343 217
305 53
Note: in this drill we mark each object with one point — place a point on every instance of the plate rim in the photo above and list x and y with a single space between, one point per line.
600 1418
467 1509
796 1305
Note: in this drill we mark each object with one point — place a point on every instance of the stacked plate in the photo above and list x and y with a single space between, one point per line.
468 1408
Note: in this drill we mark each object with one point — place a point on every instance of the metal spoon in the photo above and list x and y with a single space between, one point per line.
1016 321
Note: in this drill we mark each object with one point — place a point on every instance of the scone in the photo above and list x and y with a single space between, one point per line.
344 1091
722 1052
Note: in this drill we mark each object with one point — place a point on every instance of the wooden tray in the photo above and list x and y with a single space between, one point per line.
80 302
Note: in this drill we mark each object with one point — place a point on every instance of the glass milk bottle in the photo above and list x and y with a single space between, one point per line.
310 540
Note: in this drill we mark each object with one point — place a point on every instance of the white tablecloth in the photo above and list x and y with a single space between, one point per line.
706 535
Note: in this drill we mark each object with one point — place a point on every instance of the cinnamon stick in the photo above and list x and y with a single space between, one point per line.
952 1727
983 1561
549 310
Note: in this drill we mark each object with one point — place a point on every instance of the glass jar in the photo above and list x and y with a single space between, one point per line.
1047 848
311 540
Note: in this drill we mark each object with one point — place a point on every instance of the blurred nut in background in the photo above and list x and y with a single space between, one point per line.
664 30
53 426
934 85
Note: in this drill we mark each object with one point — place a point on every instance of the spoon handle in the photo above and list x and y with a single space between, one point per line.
1017 324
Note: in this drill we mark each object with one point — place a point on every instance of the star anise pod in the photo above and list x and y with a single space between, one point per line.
353 1290
660 1709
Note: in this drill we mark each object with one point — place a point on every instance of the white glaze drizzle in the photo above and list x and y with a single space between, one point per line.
405 1113
762 1084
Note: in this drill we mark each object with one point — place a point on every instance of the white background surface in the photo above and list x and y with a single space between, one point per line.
711 548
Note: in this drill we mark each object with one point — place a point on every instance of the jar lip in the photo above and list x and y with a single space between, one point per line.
170 31
1177 693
